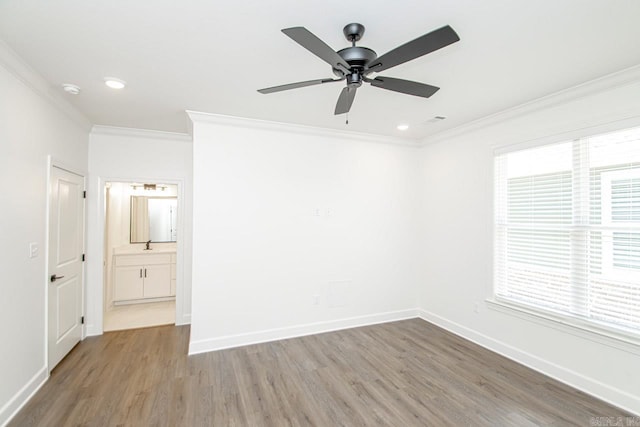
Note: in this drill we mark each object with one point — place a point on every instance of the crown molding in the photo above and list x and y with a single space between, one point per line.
22 71
219 119
628 76
140 133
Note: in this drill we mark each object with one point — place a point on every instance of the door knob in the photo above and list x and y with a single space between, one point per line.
54 278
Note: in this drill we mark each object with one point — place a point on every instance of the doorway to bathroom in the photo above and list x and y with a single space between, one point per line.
141 231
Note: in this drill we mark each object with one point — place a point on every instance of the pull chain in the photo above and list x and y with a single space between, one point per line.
347 121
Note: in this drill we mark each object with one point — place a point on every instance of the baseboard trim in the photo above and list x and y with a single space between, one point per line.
92 331
186 320
230 341
11 408
595 388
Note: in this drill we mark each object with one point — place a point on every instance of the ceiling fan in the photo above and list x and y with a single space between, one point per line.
353 64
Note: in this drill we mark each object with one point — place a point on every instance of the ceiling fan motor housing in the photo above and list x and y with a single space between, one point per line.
357 56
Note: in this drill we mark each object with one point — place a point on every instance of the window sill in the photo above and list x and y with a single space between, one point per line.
572 326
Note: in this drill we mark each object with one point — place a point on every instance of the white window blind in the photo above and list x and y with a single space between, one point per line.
567 229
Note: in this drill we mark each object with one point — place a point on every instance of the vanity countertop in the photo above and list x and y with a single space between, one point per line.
139 250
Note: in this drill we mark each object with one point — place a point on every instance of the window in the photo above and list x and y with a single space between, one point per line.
567 229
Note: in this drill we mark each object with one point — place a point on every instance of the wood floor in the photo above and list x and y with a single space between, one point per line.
407 373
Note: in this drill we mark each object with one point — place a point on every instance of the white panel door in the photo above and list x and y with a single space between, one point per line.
66 236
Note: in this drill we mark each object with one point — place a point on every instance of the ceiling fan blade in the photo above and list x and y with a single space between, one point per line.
345 100
309 41
296 85
416 48
404 86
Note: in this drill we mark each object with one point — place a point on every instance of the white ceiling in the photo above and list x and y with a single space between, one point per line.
212 56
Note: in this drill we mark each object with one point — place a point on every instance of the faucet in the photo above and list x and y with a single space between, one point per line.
147 248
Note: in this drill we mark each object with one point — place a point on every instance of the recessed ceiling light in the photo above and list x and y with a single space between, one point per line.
114 83
72 89
403 127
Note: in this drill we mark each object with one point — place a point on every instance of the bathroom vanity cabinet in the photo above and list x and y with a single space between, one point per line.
144 277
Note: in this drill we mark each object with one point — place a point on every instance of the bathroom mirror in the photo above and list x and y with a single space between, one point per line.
153 218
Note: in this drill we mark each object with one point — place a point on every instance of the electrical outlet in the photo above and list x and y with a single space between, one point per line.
316 299
476 307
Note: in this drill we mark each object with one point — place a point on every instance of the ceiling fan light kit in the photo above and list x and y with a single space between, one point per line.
354 64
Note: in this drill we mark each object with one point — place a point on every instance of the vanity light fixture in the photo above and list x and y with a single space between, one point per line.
403 127
114 83
70 88
149 187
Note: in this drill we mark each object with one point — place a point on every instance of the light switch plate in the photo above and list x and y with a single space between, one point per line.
33 250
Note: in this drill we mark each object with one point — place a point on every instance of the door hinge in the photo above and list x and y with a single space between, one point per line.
82 257
84 194
82 320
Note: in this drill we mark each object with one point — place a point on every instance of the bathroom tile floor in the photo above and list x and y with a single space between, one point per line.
133 316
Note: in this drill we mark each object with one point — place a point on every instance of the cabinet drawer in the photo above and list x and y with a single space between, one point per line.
150 259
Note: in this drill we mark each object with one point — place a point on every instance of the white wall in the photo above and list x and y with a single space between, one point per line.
129 155
283 217
32 127
458 250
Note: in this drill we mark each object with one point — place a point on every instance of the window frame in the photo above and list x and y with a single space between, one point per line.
627 339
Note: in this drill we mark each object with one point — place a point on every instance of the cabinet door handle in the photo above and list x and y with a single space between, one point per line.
145 273
141 273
